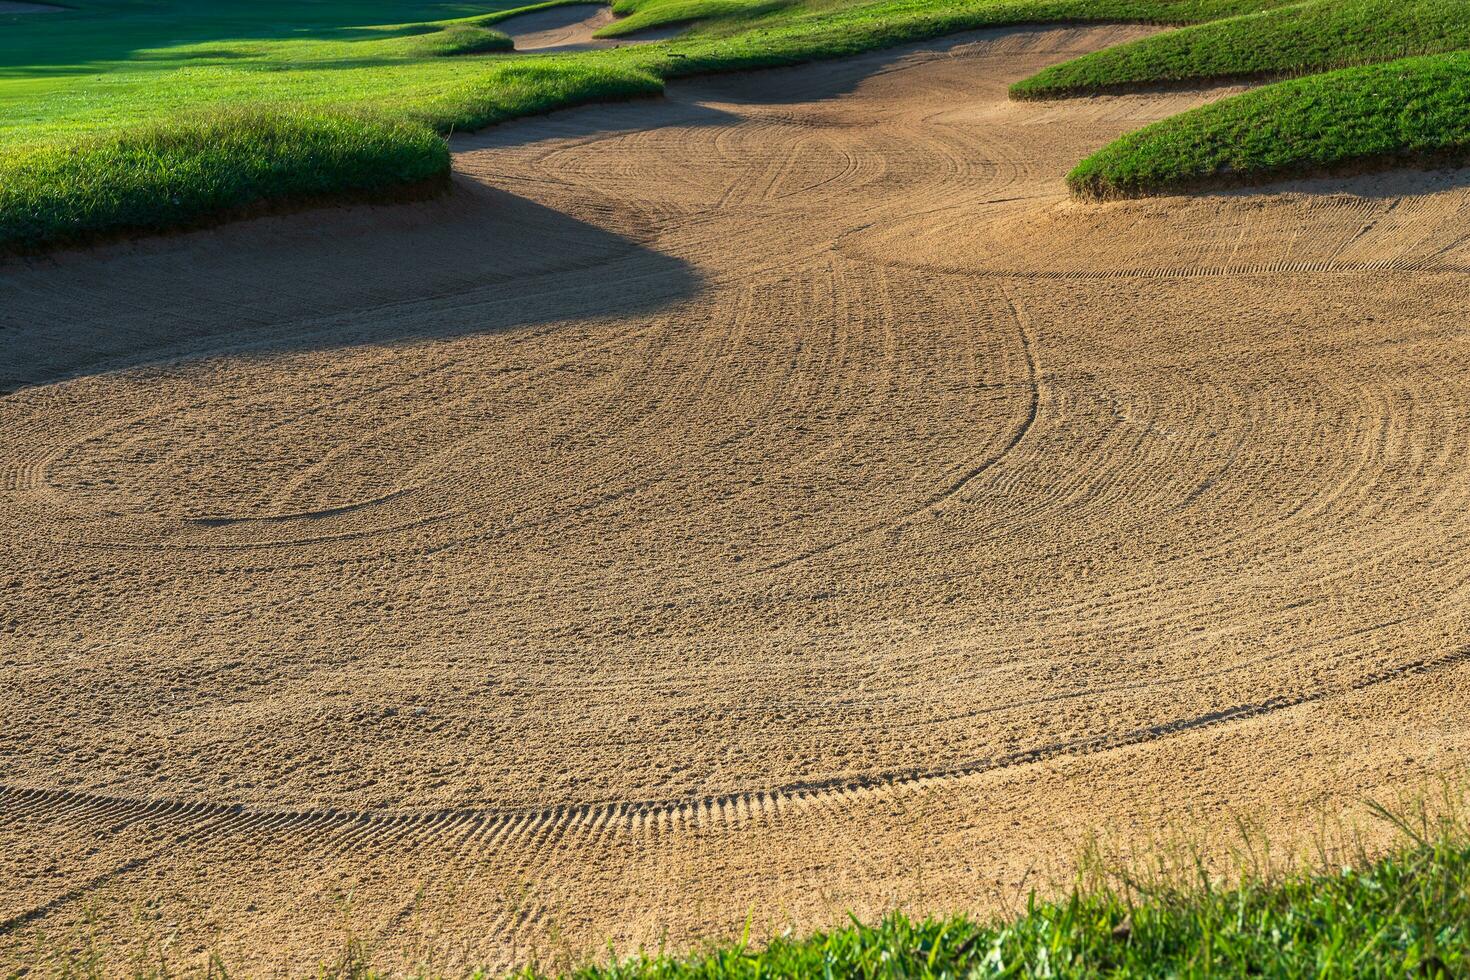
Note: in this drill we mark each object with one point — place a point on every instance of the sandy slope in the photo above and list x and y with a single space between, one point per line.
775 500
569 27
573 27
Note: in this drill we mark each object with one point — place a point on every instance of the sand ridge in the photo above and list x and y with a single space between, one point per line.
721 479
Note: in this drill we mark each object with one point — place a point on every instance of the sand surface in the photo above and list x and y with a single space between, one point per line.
770 501
565 27
572 27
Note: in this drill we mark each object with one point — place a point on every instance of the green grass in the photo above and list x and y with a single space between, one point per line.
1307 38
72 84
1399 913
641 15
1410 112
87 94
1401 103
179 174
829 28
101 67
1403 915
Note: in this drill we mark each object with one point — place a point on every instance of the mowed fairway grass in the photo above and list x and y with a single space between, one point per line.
131 115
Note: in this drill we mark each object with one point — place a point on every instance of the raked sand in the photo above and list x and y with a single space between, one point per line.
766 502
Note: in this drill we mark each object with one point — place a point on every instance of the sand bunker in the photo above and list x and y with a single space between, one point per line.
569 28
775 500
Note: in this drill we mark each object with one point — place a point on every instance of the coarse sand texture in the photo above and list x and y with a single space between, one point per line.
766 502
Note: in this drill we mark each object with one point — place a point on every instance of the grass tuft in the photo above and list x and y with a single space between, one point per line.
466 39
511 89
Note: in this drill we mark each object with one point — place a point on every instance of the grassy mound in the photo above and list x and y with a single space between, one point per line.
1402 103
173 175
1410 112
511 89
464 39
641 15
1312 37
88 93
1407 914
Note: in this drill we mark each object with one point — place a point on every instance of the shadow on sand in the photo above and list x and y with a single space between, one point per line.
477 260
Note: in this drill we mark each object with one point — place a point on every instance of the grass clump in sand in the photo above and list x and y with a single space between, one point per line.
1306 38
1410 112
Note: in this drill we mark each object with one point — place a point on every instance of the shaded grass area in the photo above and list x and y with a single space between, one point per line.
89 36
1310 37
1410 112
168 67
